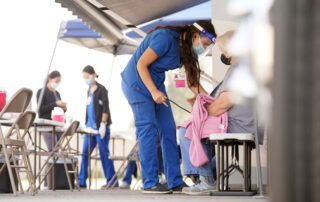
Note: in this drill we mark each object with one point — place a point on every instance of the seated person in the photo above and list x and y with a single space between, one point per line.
240 120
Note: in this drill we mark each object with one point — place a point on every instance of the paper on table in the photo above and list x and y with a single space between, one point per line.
88 130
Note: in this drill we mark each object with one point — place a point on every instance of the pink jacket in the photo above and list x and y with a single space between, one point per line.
201 126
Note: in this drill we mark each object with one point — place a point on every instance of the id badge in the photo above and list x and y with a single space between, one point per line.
89 100
179 80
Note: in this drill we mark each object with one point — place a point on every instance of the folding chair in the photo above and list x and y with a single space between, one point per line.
61 149
18 102
132 156
11 147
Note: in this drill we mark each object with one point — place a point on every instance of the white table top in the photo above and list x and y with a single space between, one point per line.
45 125
85 130
229 136
39 122
7 121
46 122
81 129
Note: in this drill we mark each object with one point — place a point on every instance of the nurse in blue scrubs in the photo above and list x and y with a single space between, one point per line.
98 118
165 48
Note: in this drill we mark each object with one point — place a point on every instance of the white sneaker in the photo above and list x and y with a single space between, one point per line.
198 189
124 185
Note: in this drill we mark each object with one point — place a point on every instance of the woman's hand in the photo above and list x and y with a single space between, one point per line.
61 104
211 110
222 104
192 100
159 97
64 109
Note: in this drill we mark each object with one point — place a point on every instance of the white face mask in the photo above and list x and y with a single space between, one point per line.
54 85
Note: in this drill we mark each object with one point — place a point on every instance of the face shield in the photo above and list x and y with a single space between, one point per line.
207 46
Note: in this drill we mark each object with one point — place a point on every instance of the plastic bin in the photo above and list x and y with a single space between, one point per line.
60 178
5 184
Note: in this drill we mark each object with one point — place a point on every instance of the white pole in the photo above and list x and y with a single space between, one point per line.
46 78
111 71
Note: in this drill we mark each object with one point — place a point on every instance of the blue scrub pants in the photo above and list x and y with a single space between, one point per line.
152 119
107 164
129 172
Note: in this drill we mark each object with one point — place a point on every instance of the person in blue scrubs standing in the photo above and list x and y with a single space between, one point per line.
163 49
98 118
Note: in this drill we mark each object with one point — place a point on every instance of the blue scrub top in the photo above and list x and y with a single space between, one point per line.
91 123
165 43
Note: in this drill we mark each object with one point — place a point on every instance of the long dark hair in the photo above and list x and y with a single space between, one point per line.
188 57
90 70
53 75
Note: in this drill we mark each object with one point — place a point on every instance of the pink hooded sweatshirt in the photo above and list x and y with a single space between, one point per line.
201 126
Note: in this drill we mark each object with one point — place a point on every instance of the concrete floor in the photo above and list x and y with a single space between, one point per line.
116 195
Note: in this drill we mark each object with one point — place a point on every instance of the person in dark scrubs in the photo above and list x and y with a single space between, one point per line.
51 99
163 49
98 118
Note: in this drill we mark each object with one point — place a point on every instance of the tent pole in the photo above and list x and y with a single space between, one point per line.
111 71
46 78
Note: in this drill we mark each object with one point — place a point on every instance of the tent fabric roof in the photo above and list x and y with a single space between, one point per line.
110 17
100 44
98 21
77 32
162 22
145 11
76 29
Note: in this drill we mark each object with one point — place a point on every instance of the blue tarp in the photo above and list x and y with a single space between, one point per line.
77 29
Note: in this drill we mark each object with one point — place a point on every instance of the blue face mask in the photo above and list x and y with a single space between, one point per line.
198 49
88 81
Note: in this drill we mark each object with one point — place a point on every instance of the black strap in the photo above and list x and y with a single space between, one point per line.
184 109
